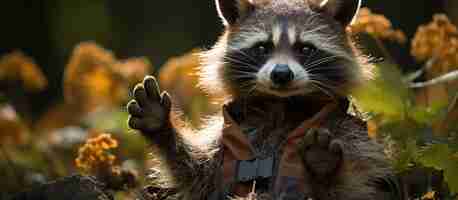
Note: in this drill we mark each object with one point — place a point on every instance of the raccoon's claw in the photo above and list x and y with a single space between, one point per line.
323 154
336 147
320 137
149 110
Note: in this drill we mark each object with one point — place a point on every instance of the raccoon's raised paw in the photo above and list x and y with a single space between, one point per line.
323 154
149 110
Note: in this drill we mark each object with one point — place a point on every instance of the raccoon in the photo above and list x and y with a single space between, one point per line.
278 63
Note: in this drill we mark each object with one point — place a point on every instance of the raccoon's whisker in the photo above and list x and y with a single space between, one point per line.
323 90
246 83
323 58
246 68
244 54
247 75
248 88
251 91
241 63
301 76
240 72
242 78
320 86
238 62
232 58
326 83
310 56
319 28
322 79
332 80
319 62
327 68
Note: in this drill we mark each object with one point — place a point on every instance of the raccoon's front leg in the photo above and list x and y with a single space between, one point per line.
150 113
323 154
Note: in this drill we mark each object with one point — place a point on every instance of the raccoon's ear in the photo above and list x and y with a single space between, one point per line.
343 11
232 10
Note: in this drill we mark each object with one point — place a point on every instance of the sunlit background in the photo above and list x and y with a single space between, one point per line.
47 30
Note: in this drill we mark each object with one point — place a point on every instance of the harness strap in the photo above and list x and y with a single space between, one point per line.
240 164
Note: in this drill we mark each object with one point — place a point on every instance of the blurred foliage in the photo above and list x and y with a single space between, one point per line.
180 77
95 157
18 67
377 26
437 40
417 132
87 131
96 87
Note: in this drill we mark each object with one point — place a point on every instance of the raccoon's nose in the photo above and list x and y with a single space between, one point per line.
281 75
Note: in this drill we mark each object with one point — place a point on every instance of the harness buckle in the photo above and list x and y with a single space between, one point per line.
249 170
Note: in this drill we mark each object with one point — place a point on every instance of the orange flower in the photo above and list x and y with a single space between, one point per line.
17 66
87 79
94 77
376 25
106 142
437 40
95 154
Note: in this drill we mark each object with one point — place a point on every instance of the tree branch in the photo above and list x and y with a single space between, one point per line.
441 79
428 65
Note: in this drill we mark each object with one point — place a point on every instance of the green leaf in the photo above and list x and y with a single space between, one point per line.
386 94
406 156
402 131
427 115
441 157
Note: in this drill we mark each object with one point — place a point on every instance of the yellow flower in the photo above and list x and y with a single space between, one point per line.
107 142
437 40
95 153
376 25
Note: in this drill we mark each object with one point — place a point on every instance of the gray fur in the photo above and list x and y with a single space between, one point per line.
194 156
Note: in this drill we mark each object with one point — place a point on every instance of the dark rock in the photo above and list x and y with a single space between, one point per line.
159 193
69 188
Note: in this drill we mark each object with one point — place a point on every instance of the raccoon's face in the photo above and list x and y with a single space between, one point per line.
287 48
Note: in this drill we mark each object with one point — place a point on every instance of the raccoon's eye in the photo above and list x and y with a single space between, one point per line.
261 49
305 49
